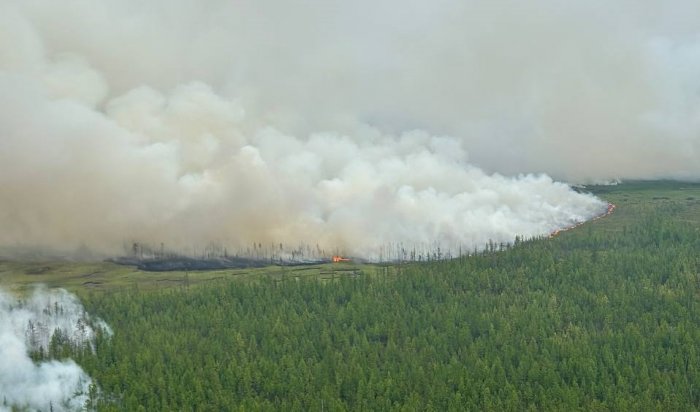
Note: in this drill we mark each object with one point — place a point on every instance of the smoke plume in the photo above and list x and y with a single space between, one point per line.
28 325
344 124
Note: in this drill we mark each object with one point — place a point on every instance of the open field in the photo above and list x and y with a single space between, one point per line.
107 276
679 200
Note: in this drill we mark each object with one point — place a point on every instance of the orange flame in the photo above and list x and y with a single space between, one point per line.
608 212
337 259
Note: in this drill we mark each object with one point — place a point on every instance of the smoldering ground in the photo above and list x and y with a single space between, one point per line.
348 125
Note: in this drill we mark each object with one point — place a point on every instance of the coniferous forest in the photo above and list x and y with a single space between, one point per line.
328 206
603 317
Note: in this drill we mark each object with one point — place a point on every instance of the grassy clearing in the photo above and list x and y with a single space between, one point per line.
679 200
105 276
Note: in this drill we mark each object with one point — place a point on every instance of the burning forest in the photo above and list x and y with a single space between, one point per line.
204 140
183 135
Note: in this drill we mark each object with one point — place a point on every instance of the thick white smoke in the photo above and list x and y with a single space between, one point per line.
28 325
344 124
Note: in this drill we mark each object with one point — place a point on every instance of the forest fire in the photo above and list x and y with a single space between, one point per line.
610 209
338 259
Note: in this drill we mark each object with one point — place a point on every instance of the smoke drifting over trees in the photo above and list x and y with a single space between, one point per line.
342 124
36 325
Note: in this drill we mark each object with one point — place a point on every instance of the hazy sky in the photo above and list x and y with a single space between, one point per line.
346 123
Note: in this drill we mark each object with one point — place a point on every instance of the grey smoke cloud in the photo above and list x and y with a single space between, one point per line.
27 325
349 124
